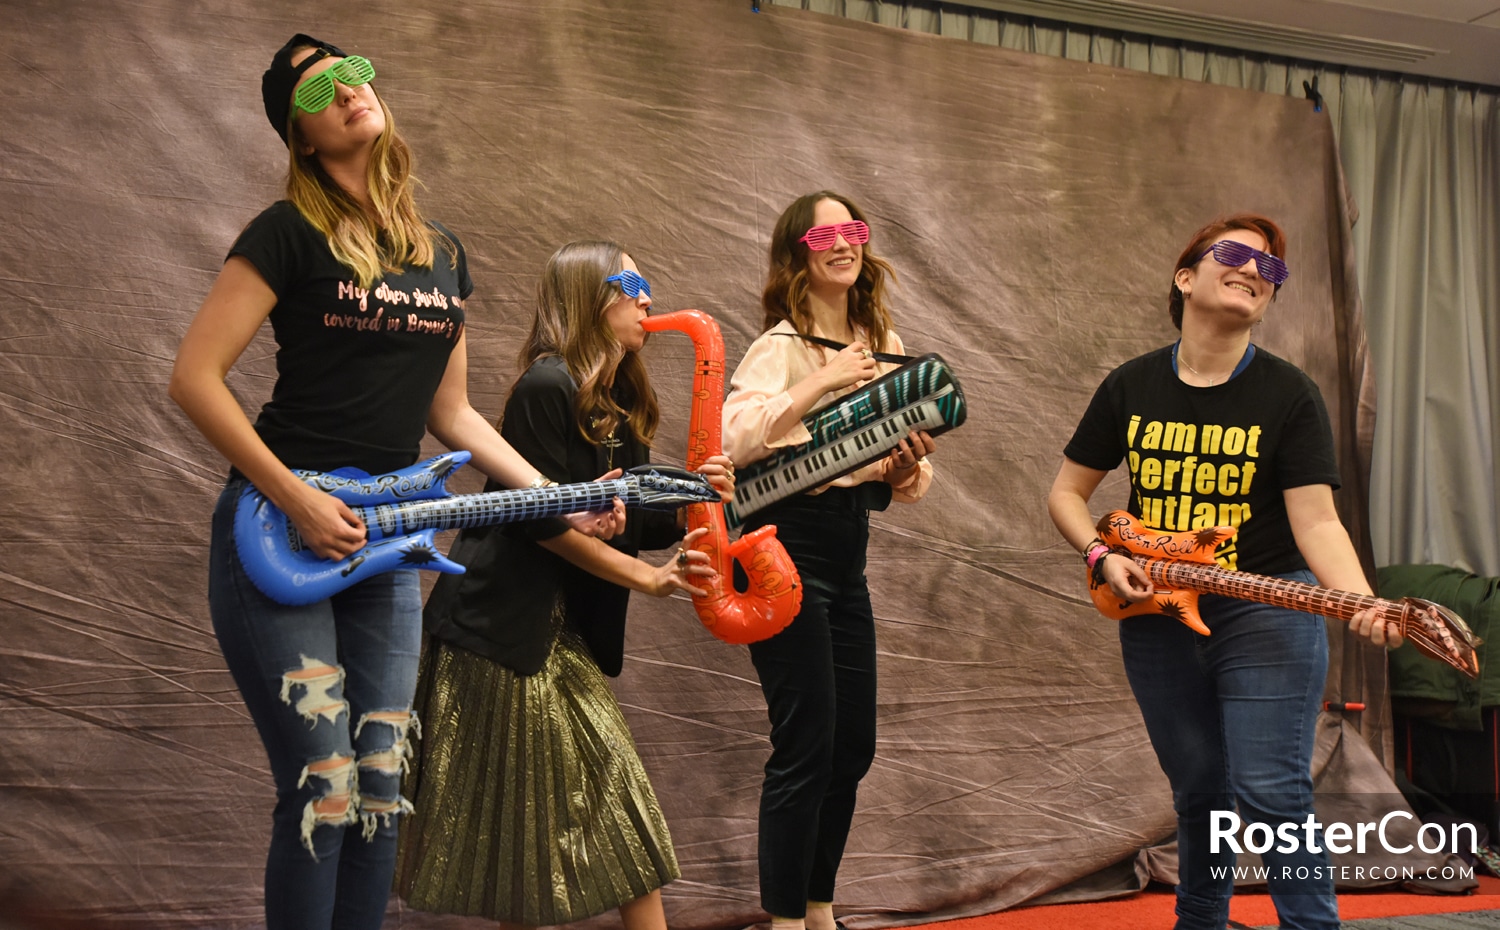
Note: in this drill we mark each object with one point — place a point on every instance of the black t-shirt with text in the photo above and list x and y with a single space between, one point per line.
1213 456
356 369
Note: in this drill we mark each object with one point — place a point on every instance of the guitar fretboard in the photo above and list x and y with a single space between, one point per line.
1278 592
1413 623
466 510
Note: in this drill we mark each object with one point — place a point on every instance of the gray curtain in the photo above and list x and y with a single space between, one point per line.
1421 159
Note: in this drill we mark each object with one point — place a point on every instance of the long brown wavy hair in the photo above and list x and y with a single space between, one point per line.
1208 235
785 295
570 302
370 246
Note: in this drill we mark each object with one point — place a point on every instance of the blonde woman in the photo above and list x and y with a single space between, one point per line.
366 301
532 805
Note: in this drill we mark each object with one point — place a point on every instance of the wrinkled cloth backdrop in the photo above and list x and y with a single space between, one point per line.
1032 206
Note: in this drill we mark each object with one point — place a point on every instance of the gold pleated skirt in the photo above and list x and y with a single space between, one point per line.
532 805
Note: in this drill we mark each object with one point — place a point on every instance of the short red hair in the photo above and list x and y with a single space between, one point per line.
1208 235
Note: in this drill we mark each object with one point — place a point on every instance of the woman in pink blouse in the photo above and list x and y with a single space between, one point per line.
818 675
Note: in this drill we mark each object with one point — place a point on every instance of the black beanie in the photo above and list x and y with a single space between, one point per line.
277 83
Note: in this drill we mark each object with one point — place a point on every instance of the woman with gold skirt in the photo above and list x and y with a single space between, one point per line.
532 806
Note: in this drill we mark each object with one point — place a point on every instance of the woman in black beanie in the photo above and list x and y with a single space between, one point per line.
366 300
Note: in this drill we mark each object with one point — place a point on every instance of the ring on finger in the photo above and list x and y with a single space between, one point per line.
682 558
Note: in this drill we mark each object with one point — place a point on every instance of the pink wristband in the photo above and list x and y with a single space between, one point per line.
1095 554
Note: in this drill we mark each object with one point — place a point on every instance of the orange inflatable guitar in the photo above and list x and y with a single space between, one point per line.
1181 565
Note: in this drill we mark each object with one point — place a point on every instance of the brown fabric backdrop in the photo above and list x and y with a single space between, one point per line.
1032 206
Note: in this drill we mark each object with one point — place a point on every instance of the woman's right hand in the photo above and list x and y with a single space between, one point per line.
679 571
851 365
601 524
327 526
1126 578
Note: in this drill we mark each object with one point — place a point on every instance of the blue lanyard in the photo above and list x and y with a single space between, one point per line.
1244 361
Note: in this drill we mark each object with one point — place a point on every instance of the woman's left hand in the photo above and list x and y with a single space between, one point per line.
683 570
1367 623
719 471
907 455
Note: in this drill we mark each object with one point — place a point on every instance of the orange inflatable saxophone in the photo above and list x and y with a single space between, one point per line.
774 595
1181 565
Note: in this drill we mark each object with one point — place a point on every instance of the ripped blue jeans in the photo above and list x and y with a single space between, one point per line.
330 688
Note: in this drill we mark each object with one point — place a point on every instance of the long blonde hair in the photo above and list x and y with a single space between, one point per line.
370 246
570 302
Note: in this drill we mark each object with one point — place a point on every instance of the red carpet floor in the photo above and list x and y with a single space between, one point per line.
1152 910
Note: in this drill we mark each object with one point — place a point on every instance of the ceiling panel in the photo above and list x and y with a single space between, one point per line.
1453 11
1454 39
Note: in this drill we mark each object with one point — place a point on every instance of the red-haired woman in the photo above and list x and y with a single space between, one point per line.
1231 716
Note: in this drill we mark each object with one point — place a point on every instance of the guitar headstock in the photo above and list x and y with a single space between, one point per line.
666 487
1438 632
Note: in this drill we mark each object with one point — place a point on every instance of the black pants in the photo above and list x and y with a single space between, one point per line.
818 676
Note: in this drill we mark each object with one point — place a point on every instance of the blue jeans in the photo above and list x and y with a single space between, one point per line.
1231 717
330 688
818 676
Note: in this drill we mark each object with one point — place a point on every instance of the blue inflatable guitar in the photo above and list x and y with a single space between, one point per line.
402 510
